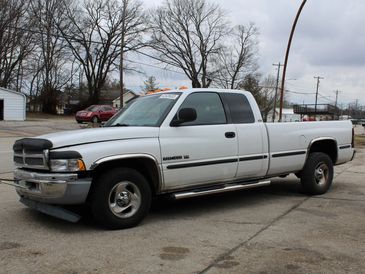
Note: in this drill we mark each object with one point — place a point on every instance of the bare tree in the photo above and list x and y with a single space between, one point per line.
268 94
15 41
237 60
51 50
95 32
187 34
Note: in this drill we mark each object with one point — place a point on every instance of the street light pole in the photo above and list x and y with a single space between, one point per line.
287 57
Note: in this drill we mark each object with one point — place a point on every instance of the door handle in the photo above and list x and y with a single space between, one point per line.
230 134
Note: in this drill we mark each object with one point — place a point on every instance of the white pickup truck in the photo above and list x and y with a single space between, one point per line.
181 143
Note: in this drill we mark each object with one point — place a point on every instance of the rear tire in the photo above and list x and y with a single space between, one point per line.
317 174
121 198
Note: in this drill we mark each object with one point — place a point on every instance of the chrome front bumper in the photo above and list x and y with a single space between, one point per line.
52 188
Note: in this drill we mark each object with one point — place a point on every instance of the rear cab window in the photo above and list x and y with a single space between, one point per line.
239 108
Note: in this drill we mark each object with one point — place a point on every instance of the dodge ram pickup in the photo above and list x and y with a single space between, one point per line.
177 143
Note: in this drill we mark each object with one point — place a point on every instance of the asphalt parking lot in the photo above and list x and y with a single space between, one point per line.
274 229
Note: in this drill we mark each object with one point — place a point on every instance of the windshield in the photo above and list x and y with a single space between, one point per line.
92 108
145 111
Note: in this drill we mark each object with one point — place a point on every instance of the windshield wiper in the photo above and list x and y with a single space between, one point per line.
120 125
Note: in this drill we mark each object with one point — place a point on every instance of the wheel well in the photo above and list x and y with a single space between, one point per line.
147 167
326 146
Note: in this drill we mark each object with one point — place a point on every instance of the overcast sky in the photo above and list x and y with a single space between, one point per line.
329 42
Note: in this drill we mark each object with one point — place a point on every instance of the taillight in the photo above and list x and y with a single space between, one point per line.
353 137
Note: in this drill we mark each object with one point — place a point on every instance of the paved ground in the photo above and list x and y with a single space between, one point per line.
269 230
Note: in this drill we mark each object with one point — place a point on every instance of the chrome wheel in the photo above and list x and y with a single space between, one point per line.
124 199
317 174
321 174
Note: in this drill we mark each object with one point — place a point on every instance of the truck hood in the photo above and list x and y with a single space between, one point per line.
95 135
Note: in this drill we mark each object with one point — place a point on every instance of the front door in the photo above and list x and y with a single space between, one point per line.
199 152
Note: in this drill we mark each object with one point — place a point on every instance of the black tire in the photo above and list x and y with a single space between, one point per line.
130 186
79 122
95 120
317 174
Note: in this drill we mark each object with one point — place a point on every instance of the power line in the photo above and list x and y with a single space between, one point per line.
295 85
325 98
149 65
297 92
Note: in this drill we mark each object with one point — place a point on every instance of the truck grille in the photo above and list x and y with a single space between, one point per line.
30 158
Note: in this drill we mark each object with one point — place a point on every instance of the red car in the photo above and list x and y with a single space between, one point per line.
95 114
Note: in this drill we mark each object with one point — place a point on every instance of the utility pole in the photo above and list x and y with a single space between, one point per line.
315 106
121 57
337 91
338 112
276 90
356 104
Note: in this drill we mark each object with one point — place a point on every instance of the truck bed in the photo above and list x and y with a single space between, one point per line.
289 142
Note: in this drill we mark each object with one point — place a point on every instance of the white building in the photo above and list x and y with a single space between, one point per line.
12 105
287 115
127 96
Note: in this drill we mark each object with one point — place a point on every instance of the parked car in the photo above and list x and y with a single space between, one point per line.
95 114
181 144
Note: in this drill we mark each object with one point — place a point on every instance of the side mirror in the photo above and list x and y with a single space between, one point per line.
184 115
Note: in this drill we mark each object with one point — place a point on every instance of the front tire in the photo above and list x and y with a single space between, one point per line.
317 174
121 198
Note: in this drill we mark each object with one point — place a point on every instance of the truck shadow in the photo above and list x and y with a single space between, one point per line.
279 189
163 207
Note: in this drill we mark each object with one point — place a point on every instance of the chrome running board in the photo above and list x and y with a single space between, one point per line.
202 191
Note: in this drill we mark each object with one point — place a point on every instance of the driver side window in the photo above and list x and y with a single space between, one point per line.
208 106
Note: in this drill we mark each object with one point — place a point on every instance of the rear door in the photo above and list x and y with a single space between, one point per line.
199 152
251 135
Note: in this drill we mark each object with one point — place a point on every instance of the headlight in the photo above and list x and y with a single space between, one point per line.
63 165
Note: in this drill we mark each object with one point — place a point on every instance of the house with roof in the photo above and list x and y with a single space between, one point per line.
128 95
12 105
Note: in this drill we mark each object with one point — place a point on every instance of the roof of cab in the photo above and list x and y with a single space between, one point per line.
191 90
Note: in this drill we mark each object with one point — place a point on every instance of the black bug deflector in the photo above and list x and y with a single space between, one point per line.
32 143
